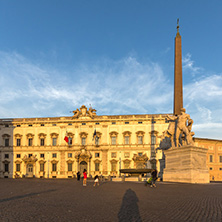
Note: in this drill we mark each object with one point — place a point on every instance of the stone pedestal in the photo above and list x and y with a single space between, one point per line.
186 164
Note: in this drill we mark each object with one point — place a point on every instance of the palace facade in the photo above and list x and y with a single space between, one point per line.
35 147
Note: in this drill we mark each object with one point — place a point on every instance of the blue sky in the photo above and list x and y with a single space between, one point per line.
116 55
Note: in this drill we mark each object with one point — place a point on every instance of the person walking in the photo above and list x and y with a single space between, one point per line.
154 178
78 175
96 180
84 177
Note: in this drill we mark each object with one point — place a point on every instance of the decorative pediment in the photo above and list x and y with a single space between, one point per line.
126 161
18 136
70 161
42 135
18 162
42 161
83 112
138 158
83 134
5 161
140 133
113 133
97 161
127 133
83 155
5 135
31 159
54 161
29 135
54 135
113 161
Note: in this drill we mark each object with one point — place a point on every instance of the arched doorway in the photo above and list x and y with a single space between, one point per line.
83 166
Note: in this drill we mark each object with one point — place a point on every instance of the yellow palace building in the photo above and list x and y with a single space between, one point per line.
35 147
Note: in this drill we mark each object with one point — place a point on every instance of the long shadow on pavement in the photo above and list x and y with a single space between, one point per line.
129 210
24 196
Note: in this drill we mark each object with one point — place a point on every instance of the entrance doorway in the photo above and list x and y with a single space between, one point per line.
29 170
83 166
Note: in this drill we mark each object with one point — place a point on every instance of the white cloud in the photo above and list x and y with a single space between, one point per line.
127 86
188 65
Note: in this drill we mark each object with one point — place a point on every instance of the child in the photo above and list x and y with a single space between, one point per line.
96 180
84 177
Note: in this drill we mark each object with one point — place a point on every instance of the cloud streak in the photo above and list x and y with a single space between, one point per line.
126 86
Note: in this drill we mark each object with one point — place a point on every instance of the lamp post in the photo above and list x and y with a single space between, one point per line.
119 163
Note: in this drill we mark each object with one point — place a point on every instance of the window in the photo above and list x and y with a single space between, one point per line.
30 155
69 124
6 167
113 122
53 124
42 155
83 123
6 125
96 166
140 154
6 156
126 122
127 155
126 139
42 167
97 123
113 140
97 141
54 141
70 141
54 167
220 168
18 142
70 155
211 158
30 141
153 139
153 121
140 122
140 139
211 168
18 125
6 141
96 154
42 141
18 167
54 155
113 155
126 165
83 141
113 167
69 167
42 124
167 121
30 124
220 159
18 155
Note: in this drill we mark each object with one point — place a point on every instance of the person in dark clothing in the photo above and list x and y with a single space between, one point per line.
78 175
154 178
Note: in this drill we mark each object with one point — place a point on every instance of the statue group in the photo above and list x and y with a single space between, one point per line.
179 129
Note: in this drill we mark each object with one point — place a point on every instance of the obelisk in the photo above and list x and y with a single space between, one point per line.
178 78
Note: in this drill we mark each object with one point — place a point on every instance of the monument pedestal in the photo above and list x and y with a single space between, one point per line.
186 164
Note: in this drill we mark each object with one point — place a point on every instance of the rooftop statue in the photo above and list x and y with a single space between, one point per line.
83 112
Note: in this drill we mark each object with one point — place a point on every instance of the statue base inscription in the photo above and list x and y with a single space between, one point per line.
186 164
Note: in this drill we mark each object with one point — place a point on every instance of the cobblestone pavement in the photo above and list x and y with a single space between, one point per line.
68 200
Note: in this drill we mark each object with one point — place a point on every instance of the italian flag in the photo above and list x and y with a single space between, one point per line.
66 137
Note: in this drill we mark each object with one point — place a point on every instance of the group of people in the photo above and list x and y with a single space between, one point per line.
151 181
96 178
